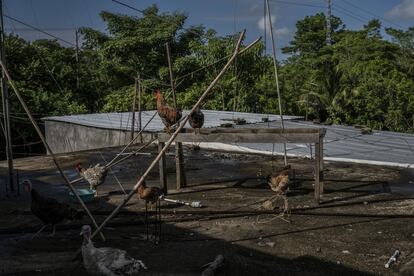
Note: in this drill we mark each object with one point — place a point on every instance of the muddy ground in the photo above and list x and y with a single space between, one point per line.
366 214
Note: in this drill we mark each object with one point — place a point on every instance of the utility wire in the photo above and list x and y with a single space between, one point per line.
362 18
128 6
39 30
373 14
348 14
298 4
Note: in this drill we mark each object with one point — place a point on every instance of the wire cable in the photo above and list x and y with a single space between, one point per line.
39 30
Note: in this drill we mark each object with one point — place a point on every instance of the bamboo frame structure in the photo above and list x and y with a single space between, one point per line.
174 135
269 17
181 180
42 137
255 135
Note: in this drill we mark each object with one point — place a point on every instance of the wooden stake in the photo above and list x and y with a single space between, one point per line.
321 165
181 180
6 107
49 150
162 168
317 172
182 124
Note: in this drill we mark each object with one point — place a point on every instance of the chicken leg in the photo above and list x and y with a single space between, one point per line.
53 232
38 232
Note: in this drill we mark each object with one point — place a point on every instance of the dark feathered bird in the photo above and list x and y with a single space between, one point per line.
49 210
169 115
196 119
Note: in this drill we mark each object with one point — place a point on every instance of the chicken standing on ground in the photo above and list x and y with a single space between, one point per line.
279 183
149 194
152 195
106 260
94 175
196 119
169 115
49 210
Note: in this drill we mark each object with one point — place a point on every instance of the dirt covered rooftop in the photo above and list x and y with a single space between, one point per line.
365 215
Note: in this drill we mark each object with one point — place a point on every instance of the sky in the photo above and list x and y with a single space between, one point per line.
62 17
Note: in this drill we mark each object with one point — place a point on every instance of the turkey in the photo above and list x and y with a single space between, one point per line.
49 210
106 260
279 183
94 175
196 119
169 115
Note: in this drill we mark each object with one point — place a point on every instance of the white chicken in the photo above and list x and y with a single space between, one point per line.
106 260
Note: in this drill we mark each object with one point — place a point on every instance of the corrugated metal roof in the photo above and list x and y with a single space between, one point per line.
118 121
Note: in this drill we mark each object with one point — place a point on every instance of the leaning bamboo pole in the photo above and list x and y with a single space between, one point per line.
276 76
182 78
174 135
49 150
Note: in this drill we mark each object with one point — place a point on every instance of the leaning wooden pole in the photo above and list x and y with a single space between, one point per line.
134 104
276 76
181 180
49 150
139 107
167 46
174 135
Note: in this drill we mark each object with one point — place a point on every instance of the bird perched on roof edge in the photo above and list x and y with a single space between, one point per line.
196 119
169 115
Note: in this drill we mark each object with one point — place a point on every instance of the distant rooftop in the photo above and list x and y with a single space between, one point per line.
123 120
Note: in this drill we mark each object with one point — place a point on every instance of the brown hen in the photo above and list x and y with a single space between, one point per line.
149 194
279 183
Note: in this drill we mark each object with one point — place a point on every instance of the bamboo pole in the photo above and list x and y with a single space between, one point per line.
155 113
134 103
139 107
49 150
174 135
276 76
179 156
108 166
167 46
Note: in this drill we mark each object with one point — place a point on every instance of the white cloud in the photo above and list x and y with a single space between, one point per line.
279 32
405 10
282 31
261 22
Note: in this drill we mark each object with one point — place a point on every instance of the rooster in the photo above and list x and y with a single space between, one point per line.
196 119
279 183
169 115
94 175
49 210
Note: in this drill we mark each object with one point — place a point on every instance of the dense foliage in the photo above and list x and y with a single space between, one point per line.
361 79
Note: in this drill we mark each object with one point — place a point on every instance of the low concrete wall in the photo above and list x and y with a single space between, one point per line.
67 137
